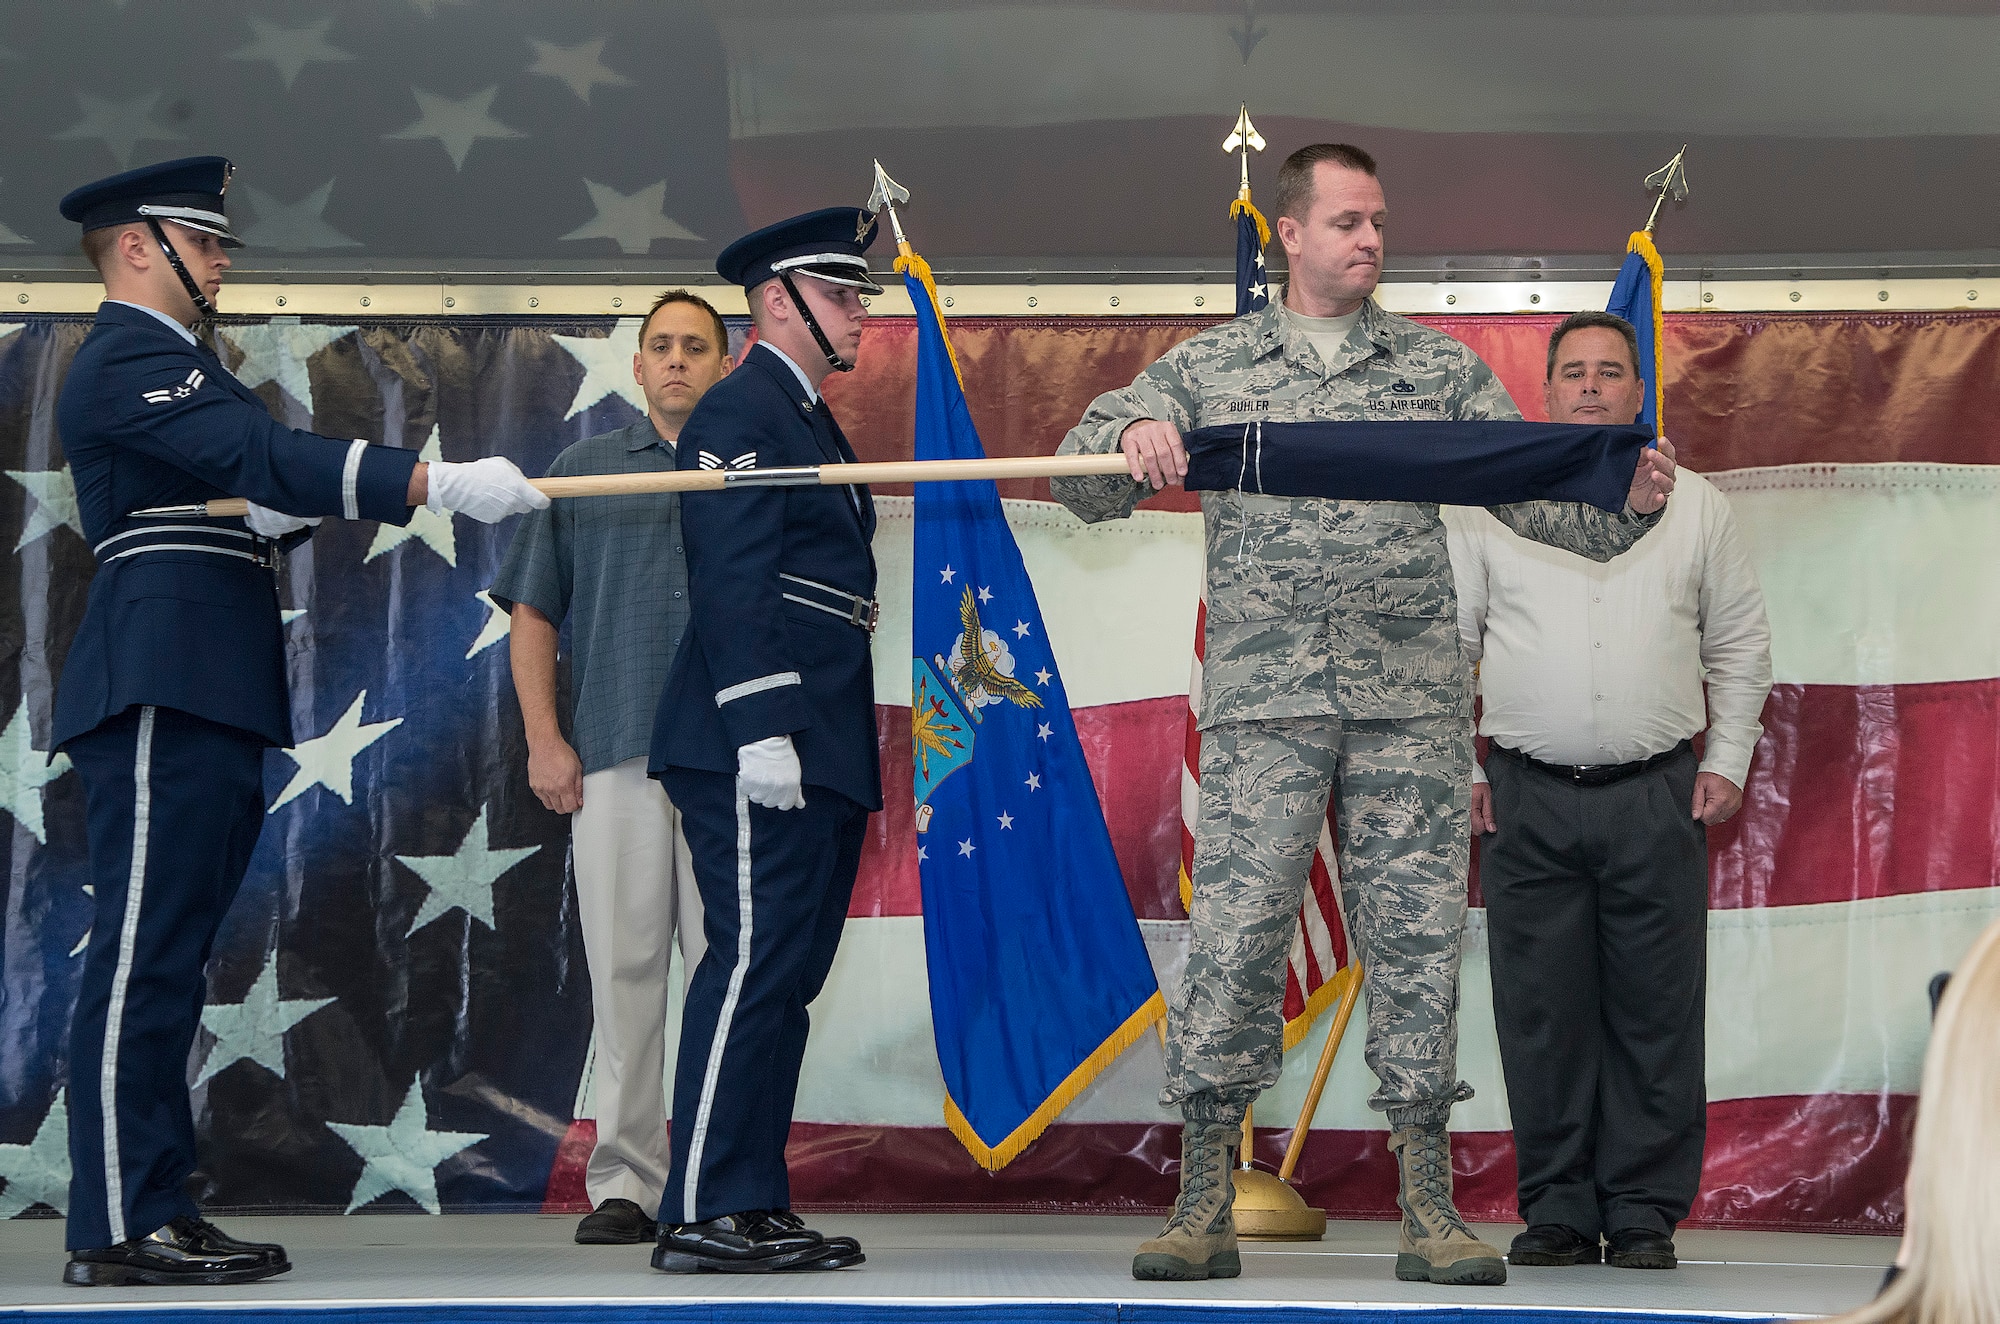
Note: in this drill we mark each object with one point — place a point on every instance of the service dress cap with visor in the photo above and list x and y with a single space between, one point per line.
827 245
188 192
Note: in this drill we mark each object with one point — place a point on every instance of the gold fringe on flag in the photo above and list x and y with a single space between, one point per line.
1243 206
993 1159
909 263
1642 244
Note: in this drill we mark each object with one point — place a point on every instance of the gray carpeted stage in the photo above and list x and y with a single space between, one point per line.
1012 1267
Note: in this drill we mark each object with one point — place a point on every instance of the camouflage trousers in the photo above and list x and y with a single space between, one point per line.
1401 791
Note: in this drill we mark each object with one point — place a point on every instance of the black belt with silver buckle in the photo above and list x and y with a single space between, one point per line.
208 539
1589 774
862 613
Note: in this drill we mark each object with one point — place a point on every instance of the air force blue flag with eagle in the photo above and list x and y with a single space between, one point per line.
1039 977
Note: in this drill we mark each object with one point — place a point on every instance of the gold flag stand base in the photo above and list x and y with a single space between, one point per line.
1267 1207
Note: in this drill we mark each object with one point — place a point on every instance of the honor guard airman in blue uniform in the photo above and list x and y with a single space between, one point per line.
766 740
175 685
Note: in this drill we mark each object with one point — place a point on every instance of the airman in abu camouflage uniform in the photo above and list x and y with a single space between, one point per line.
1332 666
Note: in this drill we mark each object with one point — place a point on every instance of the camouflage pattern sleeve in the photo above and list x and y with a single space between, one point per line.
1570 526
1163 391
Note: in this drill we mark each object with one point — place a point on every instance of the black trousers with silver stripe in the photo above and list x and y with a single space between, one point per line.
174 804
774 891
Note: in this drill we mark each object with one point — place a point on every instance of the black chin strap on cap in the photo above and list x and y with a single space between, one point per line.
201 303
812 325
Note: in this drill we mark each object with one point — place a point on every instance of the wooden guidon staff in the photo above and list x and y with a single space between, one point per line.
709 480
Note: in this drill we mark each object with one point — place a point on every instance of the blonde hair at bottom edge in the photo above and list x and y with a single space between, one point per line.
1952 1194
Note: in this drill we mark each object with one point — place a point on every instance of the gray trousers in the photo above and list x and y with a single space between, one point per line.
1597 910
1401 797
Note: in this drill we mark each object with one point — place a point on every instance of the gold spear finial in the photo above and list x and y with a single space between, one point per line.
1671 180
1244 139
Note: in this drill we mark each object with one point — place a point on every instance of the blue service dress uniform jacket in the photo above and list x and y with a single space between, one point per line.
171 691
781 581
148 419
771 571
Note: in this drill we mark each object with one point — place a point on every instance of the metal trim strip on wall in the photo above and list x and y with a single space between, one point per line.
1183 299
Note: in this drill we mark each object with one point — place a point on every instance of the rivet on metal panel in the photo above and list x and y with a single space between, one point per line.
364 301
950 302
534 303
1972 294
1114 301
1033 302
866 302
281 301
1796 296
1534 298
1708 296
21 297
620 303
450 302
1200 301
1882 296
1451 298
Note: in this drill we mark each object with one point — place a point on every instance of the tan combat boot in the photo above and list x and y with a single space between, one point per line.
1199 1241
1435 1245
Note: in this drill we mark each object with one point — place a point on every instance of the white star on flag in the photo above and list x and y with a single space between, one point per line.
948 573
54 491
282 353
402 1156
456 125
1043 676
922 855
966 848
580 67
1259 291
498 623
328 760
985 595
293 226
430 527
290 49
254 1029
1006 821
464 879
119 125
24 771
607 366
634 220
1044 731
1020 629
38 1172
1034 782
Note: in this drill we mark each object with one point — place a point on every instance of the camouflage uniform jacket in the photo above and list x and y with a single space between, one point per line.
1319 607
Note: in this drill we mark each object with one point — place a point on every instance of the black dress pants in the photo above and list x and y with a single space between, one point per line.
1597 911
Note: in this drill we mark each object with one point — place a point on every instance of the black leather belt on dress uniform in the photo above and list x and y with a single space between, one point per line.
1588 774
240 544
862 613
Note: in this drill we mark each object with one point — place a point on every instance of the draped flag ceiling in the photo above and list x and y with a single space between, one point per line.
603 133
398 1015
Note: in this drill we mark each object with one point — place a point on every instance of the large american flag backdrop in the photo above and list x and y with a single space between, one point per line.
399 1017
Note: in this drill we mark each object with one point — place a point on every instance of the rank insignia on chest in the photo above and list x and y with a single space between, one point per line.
710 460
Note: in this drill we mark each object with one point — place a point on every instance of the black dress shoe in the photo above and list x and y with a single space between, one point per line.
841 1252
1639 1248
1552 1244
187 1250
748 1242
616 1222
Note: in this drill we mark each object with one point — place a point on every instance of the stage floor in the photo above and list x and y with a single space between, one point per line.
963 1267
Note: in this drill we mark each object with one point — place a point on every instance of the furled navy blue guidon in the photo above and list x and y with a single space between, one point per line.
1455 464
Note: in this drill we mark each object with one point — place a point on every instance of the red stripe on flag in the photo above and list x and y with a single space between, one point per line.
1827 1163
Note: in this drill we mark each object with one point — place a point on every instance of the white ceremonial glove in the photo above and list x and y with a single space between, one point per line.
767 773
488 490
272 524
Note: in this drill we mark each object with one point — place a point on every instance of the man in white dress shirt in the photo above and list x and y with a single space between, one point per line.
1593 846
